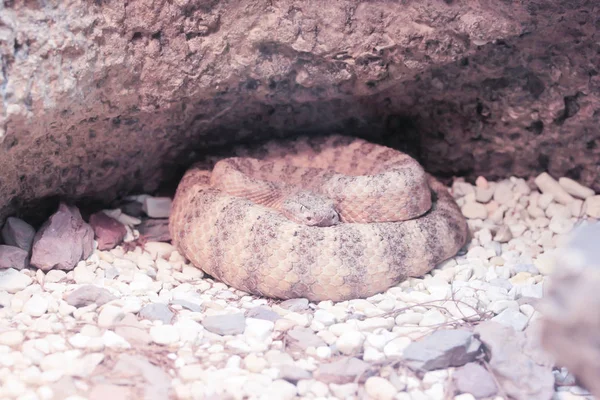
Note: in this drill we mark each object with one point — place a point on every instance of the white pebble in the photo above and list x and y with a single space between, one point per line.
323 352
343 391
548 185
349 342
164 334
380 388
325 317
432 318
464 396
545 200
409 318
395 347
13 281
191 372
472 210
159 249
575 188
110 315
503 193
259 329
83 273
11 338
591 206
560 225
112 340
36 306
513 318
280 389
254 363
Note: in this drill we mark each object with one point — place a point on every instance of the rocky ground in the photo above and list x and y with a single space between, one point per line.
108 309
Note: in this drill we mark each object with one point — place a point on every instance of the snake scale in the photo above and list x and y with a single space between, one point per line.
323 218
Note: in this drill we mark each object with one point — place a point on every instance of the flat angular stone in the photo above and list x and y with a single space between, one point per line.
228 324
263 313
301 338
13 257
293 374
474 379
344 370
442 349
62 241
515 362
19 233
154 230
89 294
13 281
157 311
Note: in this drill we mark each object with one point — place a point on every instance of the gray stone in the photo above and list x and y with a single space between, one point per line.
188 304
62 241
343 370
292 373
301 338
157 311
474 379
13 257
89 294
228 324
19 233
442 349
263 313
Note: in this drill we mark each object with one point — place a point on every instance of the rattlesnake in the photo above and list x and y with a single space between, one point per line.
324 218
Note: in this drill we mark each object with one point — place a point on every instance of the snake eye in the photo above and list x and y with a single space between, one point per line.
308 218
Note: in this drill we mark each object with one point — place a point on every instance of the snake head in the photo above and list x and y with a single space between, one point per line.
310 209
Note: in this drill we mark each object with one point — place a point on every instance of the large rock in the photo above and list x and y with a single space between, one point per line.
571 321
13 257
62 241
19 233
517 361
101 98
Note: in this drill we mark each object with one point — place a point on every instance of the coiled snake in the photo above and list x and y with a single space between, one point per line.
324 218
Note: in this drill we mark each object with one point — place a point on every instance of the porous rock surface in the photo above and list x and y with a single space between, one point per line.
101 98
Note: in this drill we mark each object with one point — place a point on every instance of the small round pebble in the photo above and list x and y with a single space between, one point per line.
380 388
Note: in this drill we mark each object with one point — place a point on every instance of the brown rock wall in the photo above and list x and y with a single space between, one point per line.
101 98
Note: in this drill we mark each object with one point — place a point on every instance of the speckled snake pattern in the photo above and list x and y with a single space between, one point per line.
254 248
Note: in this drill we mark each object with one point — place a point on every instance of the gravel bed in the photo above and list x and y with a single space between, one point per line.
141 322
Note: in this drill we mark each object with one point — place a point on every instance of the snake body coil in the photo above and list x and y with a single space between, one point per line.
331 218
